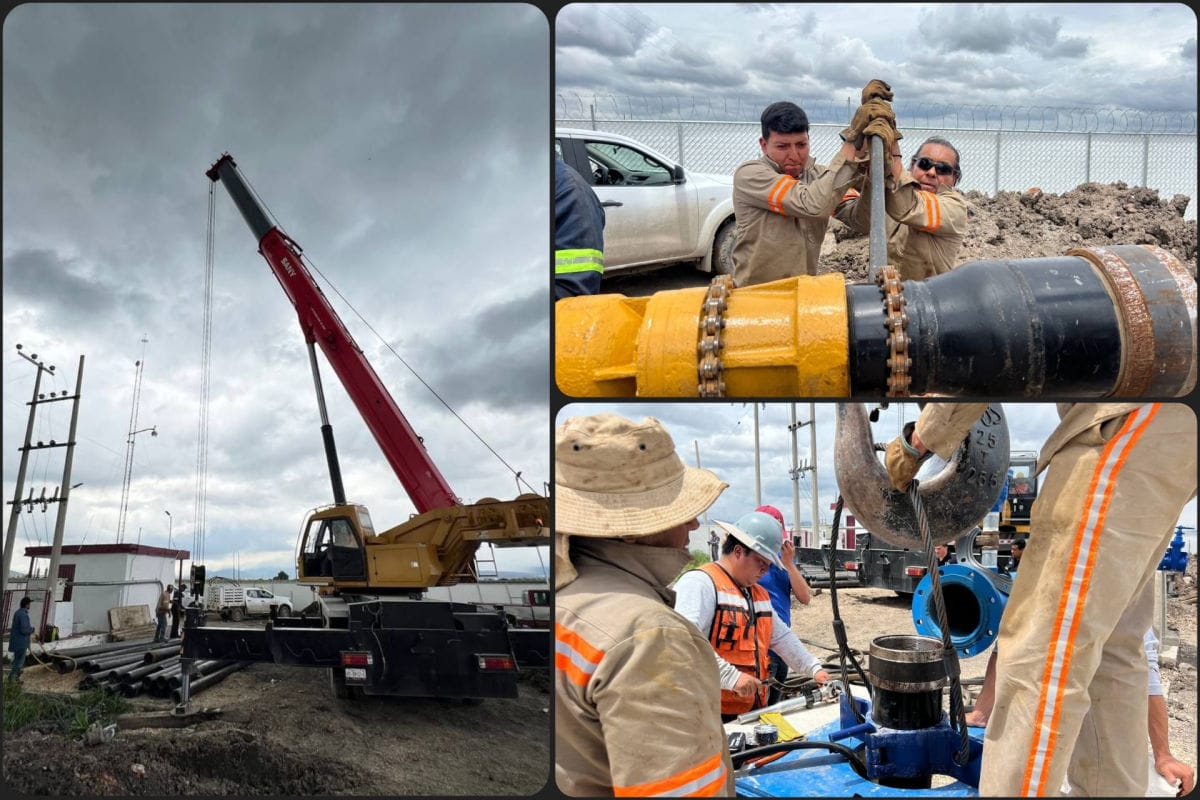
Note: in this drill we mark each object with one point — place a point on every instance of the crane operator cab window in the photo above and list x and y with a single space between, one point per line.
333 550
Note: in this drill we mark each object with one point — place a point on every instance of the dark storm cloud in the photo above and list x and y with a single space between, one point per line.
403 146
507 362
1187 51
57 286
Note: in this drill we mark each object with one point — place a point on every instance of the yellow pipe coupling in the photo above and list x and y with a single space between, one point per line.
785 338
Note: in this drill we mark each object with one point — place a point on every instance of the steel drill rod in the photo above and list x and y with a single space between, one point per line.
878 232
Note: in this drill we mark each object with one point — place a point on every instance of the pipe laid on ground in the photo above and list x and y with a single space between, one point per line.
137 673
69 661
158 654
212 679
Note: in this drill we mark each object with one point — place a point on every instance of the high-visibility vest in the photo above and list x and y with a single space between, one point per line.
741 634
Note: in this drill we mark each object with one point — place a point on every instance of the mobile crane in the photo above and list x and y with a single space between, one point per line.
374 633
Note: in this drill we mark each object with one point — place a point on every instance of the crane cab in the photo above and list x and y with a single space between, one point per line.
333 546
1022 491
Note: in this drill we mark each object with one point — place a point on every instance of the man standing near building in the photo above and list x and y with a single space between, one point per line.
578 234
636 687
1073 672
781 584
927 215
19 637
724 601
177 608
783 200
160 614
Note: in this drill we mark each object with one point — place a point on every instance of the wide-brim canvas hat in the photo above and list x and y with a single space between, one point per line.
615 477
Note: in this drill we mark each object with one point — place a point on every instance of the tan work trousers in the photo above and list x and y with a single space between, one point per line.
1071 672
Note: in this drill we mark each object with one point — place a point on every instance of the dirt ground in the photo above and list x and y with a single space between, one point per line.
1035 224
282 733
1031 224
868 613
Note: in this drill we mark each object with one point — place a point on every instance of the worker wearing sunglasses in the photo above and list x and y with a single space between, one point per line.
927 215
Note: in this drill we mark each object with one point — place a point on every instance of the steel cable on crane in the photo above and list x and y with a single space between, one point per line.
516 473
200 498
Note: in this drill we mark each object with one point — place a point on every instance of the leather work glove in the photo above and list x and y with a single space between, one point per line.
887 132
864 114
876 88
903 460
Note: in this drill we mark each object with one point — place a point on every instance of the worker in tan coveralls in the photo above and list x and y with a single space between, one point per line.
783 200
1071 674
637 695
927 216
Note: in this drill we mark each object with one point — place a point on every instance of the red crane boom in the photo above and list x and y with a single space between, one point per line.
320 323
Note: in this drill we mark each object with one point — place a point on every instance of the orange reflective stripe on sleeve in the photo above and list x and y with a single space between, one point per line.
933 211
573 656
703 780
851 194
1073 597
778 190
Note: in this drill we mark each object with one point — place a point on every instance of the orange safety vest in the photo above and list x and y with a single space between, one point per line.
740 635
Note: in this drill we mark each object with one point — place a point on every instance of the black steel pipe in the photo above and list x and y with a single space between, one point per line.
206 681
160 653
137 673
907 675
201 669
1097 322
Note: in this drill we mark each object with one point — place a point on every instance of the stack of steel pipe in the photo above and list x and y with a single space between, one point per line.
130 682
162 682
107 660
68 660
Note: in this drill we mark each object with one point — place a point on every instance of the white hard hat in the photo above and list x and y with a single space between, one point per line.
760 532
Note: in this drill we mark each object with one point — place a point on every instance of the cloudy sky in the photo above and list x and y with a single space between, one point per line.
724 434
403 147
1126 55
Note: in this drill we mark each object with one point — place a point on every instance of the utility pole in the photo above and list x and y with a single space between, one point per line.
61 521
799 469
10 539
757 471
795 470
697 444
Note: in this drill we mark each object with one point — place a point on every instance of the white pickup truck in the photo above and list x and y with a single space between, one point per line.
655 212
237 603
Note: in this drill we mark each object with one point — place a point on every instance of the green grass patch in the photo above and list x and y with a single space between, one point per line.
66 713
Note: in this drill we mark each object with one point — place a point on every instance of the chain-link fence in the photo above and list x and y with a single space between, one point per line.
1055 150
